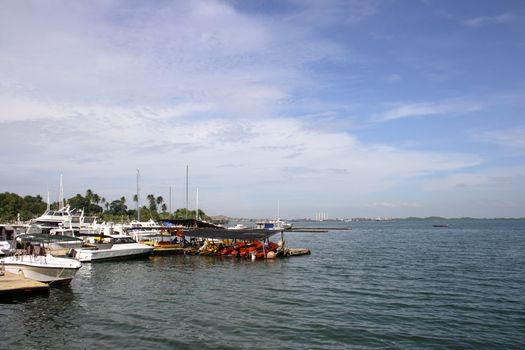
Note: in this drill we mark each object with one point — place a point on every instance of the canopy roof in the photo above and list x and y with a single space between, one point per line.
221 233
38 237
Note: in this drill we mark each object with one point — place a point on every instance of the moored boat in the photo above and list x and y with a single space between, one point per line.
42 268
50 241
277 225
122 247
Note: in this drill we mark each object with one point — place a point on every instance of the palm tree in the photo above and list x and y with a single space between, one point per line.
152 202
89 195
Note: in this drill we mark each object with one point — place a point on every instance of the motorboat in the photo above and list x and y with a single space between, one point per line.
43 268
56 244
276 224
54 218
5 247
238 227
121 247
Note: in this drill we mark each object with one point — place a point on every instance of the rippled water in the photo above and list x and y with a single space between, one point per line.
402 284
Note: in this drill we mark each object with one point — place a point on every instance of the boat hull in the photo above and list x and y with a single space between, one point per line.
89 255
45 269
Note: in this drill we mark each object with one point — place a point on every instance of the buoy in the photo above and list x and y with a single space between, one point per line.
271 255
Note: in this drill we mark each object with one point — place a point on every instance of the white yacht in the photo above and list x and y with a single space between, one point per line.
122 247
42 268
53 218
277 225
7 235
237 227
5 247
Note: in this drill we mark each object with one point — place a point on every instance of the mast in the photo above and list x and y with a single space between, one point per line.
48 201
138 195
187 184
197 205
169 209
61 194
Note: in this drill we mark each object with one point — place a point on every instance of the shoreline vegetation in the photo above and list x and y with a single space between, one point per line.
14 207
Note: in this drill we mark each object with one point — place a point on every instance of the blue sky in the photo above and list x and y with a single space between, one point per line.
353 108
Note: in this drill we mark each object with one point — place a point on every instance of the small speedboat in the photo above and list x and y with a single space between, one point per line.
42 268
122 247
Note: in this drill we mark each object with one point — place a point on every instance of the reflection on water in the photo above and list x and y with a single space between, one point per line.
381 285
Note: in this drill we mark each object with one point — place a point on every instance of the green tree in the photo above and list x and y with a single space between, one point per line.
152 203
28 207
159 200
118 207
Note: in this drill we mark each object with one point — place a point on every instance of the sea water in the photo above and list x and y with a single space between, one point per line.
381 285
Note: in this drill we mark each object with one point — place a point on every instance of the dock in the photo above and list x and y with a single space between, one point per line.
13 284
307 229
175 251
319 229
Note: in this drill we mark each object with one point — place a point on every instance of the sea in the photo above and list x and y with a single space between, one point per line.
401 284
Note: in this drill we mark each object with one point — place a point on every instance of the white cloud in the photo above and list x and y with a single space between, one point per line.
422 109
488 20
512 140
98 89
391 205
277 155
392 78
509 178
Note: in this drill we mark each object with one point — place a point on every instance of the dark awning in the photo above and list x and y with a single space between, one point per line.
217 233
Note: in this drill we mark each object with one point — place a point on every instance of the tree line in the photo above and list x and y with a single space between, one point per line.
14 207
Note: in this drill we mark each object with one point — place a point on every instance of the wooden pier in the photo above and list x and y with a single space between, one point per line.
13 284
175 251
318 229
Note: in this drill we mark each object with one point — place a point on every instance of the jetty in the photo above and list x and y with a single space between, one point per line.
318 229
17 284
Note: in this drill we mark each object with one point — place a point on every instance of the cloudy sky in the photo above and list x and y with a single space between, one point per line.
352 108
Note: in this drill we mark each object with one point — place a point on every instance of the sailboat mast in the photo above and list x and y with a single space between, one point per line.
61 194
138 195
170 202
187 185
197 205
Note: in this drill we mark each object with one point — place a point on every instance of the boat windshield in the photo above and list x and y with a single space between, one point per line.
123 240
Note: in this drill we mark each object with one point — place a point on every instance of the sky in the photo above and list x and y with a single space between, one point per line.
290 108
